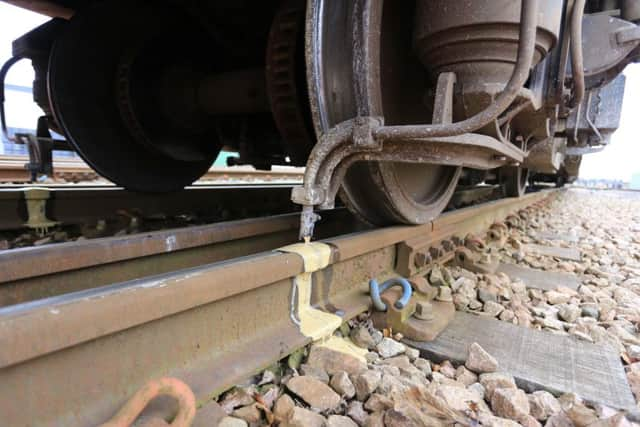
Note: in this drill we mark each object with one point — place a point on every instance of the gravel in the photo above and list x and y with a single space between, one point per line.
395 386
605 227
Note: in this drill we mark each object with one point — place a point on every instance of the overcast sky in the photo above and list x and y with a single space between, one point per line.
618 161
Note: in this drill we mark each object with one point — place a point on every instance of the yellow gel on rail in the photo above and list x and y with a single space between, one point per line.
345 345
313 323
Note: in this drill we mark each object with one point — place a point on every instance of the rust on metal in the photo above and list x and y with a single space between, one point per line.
422 319
12 170
164 386
46 271
35 261
70 205
222 322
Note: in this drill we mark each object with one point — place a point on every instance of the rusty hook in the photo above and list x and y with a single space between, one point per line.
376 289
168 386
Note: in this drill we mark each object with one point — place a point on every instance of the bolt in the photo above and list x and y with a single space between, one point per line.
424 310
421 259
448 245
435 252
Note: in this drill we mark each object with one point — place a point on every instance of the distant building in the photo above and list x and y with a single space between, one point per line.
615 184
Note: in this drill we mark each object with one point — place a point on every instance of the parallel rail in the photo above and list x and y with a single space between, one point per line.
74 358
75 170
40 272
74 204
86 204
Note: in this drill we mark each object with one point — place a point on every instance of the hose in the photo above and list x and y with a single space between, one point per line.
3 74
524 60
577 62
375 289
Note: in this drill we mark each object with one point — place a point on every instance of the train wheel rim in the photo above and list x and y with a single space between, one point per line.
377 192
85 104
380 195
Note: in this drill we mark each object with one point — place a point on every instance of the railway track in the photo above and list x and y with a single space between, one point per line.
84 325
90 211
12 170
82 204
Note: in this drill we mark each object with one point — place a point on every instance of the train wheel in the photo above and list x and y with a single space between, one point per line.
514 180
378 192
108 82
382 193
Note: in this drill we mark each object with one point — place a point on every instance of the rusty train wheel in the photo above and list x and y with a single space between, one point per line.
286 82
105 78
378 192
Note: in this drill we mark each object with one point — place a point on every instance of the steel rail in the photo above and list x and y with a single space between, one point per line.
75 170
75 358
71 204
39 272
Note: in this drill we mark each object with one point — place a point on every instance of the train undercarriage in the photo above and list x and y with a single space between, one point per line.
390 105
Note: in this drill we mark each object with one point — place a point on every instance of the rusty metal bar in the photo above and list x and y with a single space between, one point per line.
45 271
81 205
74 359
577 62
12 170
44 260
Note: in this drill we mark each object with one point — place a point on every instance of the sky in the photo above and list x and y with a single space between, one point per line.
622 157
21 111
618 161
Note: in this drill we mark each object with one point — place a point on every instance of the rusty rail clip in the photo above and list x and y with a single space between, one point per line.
164 386
413 314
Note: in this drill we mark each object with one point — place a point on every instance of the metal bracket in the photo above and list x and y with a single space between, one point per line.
443 104
420 320
475 262
40 148
415 256
367 139
607 41
579 151
628 35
